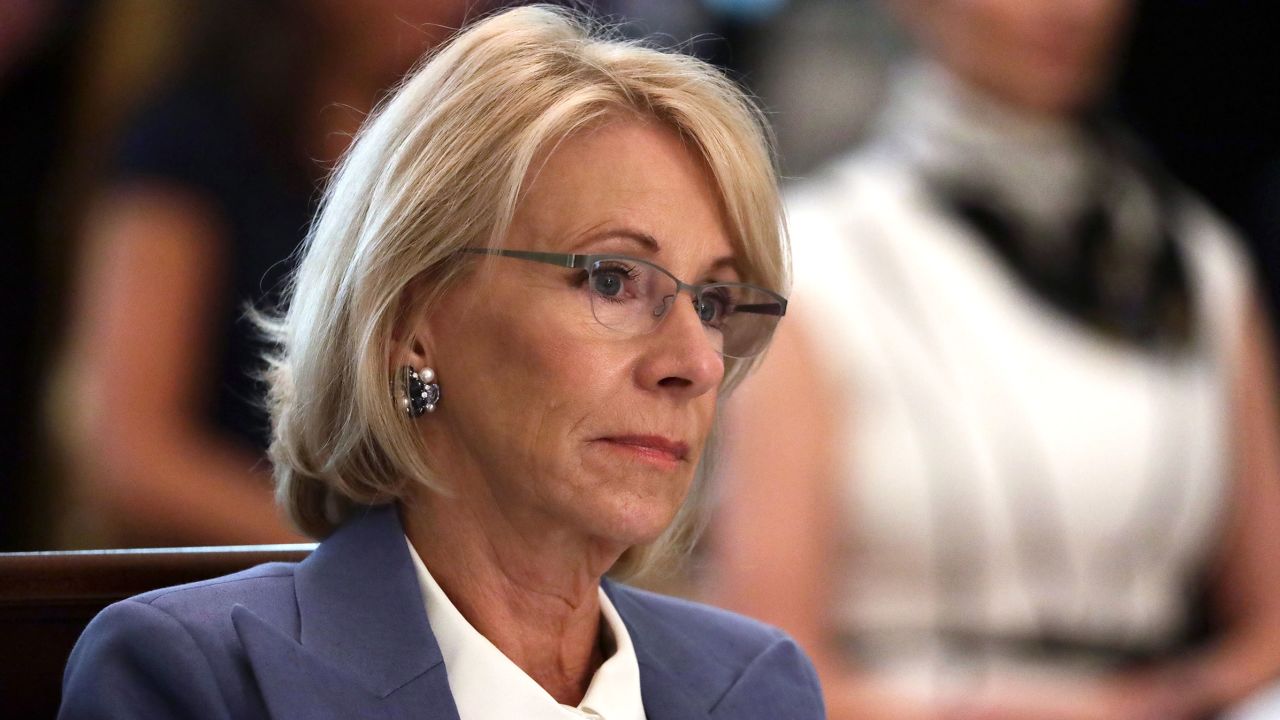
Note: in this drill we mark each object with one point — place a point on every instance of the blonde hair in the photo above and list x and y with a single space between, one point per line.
439 167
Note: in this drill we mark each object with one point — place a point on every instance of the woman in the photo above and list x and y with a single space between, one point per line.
493 388
208 196
1027 412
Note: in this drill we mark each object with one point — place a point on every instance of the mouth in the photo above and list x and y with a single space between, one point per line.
653 448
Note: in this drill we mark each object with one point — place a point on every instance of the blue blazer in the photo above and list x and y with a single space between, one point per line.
343 634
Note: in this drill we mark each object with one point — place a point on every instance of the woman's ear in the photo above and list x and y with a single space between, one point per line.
412 334
418 346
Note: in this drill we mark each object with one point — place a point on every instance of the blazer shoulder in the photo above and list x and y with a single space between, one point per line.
267 590
176 645
245 584
135 660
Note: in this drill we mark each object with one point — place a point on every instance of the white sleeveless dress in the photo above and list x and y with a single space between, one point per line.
1006 472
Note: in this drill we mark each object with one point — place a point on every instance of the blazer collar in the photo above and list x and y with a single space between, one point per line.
364 646
359 604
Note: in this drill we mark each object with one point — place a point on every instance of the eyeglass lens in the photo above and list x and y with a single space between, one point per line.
633 296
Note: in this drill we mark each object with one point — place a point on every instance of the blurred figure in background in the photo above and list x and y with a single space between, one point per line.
211 190
1027 407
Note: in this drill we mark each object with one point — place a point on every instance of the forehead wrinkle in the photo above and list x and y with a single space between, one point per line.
630 210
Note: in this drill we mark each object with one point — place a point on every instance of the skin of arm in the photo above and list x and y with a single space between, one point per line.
774 532
140 359
1246 573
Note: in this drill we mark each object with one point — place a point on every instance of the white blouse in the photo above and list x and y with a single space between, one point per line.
486 685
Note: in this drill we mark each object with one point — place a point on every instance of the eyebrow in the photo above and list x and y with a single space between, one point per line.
644 240
649 243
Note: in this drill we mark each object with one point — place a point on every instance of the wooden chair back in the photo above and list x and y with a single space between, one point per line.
47 598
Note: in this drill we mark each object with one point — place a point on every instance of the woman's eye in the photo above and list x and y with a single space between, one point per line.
612 281
608 283
712 309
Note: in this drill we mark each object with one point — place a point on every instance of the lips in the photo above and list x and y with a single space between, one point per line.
655 446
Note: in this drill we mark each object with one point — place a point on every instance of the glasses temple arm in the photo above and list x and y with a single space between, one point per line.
566 260
772 308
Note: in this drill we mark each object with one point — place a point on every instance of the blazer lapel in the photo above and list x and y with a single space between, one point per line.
664 695
681 680
667 693
365 648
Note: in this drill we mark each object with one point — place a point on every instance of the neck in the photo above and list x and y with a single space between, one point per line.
954 133
534 595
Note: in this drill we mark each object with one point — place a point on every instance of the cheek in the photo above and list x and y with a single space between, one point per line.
569 376
541 383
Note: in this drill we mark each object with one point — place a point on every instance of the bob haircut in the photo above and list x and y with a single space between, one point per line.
440 167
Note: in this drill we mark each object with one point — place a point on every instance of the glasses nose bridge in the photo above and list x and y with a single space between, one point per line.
663 308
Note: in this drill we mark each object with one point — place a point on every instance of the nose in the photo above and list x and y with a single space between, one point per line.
680 358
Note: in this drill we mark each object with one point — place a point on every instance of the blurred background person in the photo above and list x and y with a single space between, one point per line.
1026 410
204 200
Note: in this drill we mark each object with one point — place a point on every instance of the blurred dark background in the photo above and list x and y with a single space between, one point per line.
1199 83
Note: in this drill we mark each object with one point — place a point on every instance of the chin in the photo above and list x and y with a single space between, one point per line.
627 521
638 526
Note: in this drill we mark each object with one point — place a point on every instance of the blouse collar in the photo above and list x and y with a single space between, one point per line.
486 685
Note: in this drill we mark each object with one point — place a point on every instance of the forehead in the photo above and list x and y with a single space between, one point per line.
637 177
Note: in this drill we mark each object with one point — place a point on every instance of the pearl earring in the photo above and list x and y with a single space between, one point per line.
421 391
